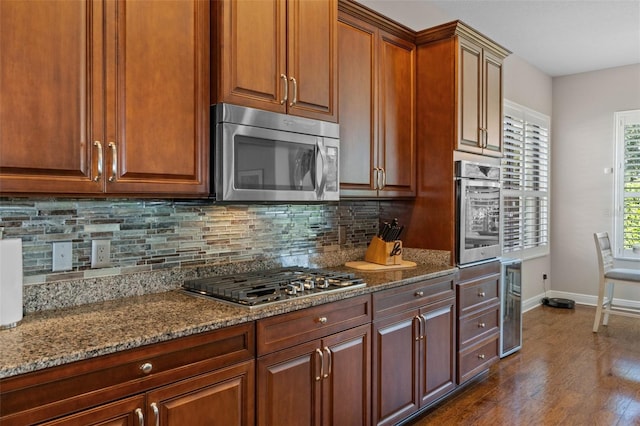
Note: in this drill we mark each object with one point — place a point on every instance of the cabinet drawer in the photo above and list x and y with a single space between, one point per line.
45 394
477 358
478 294
290 329
411 296
478 326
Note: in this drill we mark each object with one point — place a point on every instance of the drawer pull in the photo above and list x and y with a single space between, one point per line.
140 416
322 320
481 294
419 293
481 325
480 356
146 367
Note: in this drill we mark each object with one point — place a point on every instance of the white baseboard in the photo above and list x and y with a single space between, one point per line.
582 299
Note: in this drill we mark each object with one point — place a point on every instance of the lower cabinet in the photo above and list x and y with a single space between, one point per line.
205 379
478 301
323 381
413 348
371 359
223 398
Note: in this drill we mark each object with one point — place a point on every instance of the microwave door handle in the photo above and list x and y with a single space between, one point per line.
325 169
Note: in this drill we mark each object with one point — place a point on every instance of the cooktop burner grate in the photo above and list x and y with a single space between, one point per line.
275 285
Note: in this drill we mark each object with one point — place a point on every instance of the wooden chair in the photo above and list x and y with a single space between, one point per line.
609 276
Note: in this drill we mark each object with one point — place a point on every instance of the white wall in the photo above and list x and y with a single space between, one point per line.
526 85
583 144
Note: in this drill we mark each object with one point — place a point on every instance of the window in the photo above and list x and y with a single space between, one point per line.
627 193
525 177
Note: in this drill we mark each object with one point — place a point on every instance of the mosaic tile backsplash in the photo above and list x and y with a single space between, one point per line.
156 235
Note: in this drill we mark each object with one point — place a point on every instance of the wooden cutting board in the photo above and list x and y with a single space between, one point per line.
368 266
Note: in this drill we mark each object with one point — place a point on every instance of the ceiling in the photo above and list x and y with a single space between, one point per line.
559 37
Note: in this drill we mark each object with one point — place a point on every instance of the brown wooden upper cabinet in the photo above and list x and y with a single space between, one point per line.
104 97
376 78
480 98
457 57
277 55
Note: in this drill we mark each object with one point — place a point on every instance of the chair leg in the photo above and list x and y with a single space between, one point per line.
596 323
608 304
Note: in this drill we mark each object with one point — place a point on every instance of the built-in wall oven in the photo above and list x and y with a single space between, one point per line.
478 212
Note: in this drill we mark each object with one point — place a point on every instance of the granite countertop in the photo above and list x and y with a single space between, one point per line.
50 338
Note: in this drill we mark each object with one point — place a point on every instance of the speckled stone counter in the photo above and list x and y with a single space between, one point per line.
50 338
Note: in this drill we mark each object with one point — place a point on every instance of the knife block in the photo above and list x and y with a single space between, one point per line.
379 251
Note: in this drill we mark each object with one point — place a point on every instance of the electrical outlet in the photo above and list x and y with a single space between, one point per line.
544 276
342 234
62 258
100 253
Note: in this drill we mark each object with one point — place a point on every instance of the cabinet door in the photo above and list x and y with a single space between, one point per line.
346 391
492 107
470 96
157 97
120 413
224 397
396 145
52 94
253 56
357 56
288 388
438 351
312 58
395 368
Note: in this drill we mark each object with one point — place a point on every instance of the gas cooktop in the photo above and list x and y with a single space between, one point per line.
253 289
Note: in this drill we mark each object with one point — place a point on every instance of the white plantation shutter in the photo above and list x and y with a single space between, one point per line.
525 180
628 182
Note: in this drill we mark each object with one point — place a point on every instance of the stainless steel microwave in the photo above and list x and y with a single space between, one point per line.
265 156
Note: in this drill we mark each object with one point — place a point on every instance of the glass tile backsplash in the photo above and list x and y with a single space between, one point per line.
149 235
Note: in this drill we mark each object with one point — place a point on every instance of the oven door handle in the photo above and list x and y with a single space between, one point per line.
322 154
489 184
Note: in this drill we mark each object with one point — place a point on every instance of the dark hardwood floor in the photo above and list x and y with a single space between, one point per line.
563 375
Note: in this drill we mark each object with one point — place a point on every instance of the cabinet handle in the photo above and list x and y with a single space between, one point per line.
329 361
481 325
480 356
322 320
114 161
419 333
481 294
295 92
481 137
419 293
286 89
140 416
319 352
384 177
146 367
375 177
156 412
99 175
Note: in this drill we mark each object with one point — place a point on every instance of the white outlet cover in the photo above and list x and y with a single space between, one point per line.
100 253
62 256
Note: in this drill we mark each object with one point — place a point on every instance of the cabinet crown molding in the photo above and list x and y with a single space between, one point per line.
372 17
460 29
